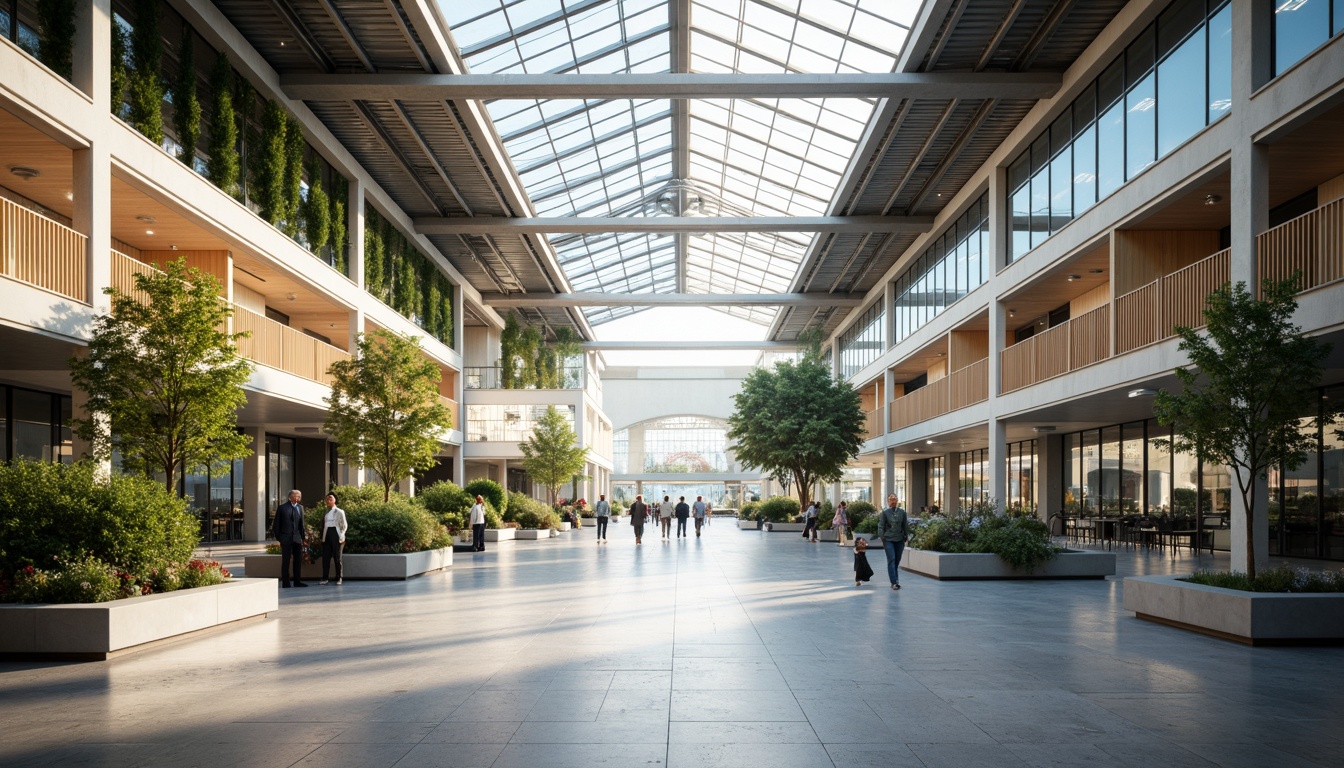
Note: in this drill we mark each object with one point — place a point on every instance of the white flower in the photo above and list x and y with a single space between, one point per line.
83 585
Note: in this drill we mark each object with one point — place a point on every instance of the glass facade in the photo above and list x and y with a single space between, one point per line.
508 423
1306 504
1021 461
1171 82
34 425
1302 26
973 478
216 496
862 343
281 473
956 264
937 475
673 445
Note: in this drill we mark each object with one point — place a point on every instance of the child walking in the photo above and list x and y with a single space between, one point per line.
862 570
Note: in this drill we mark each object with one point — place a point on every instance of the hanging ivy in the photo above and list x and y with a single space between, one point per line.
406 288
445 333
121 73
373 250
292 190
429 302
146 80
267 188
57 38
528 347
186 107
509 341
316 212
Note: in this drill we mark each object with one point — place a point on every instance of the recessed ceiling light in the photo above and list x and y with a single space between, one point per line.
24 172
928 442
149 231
1212 199
1096 271
1073 278
1142 392
70 196
1044 428
292 296
146 218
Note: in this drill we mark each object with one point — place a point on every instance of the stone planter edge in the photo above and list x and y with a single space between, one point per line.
1253 618
359 567
956 566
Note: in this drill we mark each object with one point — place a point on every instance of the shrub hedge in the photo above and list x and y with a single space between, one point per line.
490 491
530 513
780 509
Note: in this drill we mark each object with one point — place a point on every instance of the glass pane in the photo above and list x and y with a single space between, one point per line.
1040 206
1089 468
1300 27
1176 22
1061 190
1131 469
1140 56
1180 95
1160 478
4 423
1332 491
1186 501
1140 124
32 425
1021 239
1110 151
1302 504
1220 63
1085 171
1110 471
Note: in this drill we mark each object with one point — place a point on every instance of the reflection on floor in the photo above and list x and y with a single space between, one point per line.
738 649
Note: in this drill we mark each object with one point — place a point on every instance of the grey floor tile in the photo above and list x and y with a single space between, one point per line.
616 755
451 756
739 706
742 733
736 755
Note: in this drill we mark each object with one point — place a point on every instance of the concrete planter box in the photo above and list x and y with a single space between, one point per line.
534 534
96 631
370 567
566 526
827 535
786 527
746 525
1255 618
948 566
499 534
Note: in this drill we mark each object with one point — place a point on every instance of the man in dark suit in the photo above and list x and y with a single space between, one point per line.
683 512
288 529
639 511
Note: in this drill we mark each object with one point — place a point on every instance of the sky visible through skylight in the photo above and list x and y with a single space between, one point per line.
764 157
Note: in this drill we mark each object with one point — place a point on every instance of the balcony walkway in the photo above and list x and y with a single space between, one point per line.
740 649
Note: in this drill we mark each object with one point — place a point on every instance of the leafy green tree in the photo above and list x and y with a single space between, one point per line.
796 420
164 382
57 36
146 81
1250 382
222 166
552 455
186 107
384 407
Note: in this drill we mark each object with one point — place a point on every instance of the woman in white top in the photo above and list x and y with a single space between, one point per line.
333 538
478 525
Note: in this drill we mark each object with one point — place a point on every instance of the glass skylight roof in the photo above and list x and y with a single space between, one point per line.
762 157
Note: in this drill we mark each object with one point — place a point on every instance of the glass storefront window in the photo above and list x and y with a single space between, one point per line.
1332 489
1160 477
1180 91
1131 469
955 265
1110 475
862 343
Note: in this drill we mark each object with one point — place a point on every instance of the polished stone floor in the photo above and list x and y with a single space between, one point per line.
739 649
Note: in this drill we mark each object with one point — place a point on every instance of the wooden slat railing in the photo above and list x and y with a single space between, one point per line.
1080 342
969 385
1052 352
451 405
1017 365
124 270
1152 313
280 346
922 404
1090 337
873 424
1312 243
42 252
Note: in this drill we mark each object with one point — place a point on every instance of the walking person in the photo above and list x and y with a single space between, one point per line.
893 527
862 570
478 525
709 512
603 513
666 518
638 512
699 511
683 512
334 527
810 518
840 522
288 529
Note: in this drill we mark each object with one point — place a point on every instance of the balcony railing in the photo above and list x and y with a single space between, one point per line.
452 406
872 424
968 386
270 343
487 377
1079 342
42 252
959 389
1312 243
1151 313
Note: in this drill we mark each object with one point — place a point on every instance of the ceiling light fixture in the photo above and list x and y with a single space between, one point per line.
24 172
147 219
292 296
928 442
1213 199
1075 278
1142 392
149 231
1096 271
1043 429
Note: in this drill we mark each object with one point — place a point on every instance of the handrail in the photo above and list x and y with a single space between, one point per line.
969 385
873 424
43 252
1311 244
1073 344
1152 312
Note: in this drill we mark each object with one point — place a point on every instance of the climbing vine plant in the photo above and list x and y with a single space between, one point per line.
399 275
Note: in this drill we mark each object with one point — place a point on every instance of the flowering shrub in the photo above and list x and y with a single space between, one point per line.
780 509
1022 541
1281 579
89 580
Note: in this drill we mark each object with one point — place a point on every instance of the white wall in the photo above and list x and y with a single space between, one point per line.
632 395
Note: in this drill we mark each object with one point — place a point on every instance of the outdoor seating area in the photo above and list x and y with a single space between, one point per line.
1142 531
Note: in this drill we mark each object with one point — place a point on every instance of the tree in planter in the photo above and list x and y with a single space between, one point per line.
186 107
797 421
552 454
222 166
163 379
1251 379
384 407
146 81
57 38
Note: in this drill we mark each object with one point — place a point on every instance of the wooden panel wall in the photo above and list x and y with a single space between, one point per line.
938 370
1086 302
1330 191
1143 256
966 347
249 299
216 263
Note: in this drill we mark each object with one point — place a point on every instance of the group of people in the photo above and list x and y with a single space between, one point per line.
289 529
839 523
640 513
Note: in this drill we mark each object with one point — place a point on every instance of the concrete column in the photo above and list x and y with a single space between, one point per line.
1049 475
406 485
876 493
880 492
997 471
951 483
84 449
254 486
998 257
917 485
91 59
93 217
458 343
355 231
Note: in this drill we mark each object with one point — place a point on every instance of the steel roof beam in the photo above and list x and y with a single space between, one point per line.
498 225
598 299
694 346
426 87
